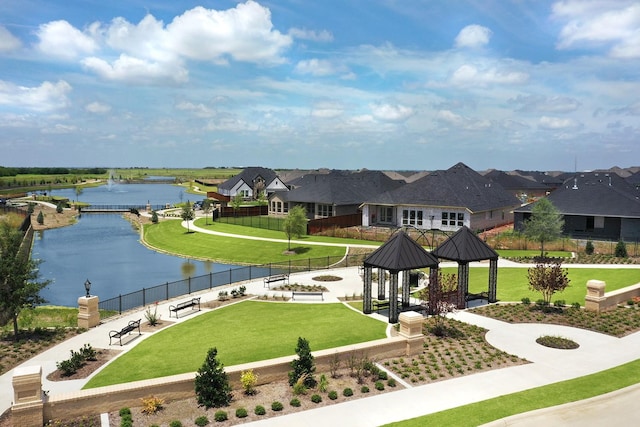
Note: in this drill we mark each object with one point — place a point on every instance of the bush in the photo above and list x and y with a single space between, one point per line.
364 389
88 352
295 402
347 392
151 404
241 413
212 384
175 423
249 379
220 416
126 422
382 375
588 249
202 421
323 384
621 250
391 382
526 300
277 406
379 385
575 305
316 398
124 411
259 410
559 303
333 395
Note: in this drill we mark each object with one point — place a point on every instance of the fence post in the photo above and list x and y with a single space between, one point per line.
166 291
144 297
230 277
289 266
189 284
210 280
120 304
308 264
250 277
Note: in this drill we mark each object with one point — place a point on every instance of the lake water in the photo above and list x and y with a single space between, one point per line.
105 248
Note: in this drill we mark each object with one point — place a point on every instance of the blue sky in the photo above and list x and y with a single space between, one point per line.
377 84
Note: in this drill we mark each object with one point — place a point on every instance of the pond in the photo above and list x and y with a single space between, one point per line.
105 248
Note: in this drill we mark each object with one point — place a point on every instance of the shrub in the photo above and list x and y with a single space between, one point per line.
277 406
152 316
382 375
223 295
220 416
323 384
303 366
364 389
242 290
316 398
241 413
151 404
295 402
299 387
379 385
259 410
575 305
124 411
391 382
175 423
621 250
347 392
40 218
202 421
588 249
249 379
212 384
526 300
154 217
88 352
559 303
333 395
126 422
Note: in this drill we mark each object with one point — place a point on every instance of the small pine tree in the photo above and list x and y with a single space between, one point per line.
621 250
588 249
40 218
303 366
212 384
154 217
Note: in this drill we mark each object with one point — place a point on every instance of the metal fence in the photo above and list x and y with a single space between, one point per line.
210 281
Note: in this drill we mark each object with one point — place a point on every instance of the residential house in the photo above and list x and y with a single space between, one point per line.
250 183
595 205
525 188
444 200
332 193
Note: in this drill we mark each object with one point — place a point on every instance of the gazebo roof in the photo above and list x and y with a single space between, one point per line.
465 246
400 253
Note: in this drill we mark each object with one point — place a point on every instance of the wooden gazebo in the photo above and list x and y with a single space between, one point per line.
465 247
399 253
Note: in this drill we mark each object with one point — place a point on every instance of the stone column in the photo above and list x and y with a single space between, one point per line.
406 289
595 299
411 329
88 314
463 285
27 397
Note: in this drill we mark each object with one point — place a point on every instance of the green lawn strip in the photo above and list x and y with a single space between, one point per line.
48 316
541 397
172 237
245 332
513 283
522 253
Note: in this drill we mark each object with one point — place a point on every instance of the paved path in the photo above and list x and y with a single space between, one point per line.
597 352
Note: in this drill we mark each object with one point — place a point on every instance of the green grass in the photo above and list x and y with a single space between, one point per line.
45 317
521 253
242 333
541 397
172 237
513 283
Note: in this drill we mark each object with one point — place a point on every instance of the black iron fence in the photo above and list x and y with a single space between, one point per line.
120 208
169 290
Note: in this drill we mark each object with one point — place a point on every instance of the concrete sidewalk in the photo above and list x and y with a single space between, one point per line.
596 352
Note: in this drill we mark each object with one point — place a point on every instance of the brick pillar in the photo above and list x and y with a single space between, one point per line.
88 314
411 329
595 299
27 397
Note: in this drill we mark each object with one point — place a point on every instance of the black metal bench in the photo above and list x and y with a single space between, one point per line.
307 294
193 302
131 326
276 278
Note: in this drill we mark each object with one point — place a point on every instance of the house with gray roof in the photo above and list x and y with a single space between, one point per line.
444 200
595 205
332 193
251 182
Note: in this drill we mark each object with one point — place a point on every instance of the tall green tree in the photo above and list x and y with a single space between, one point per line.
19 284
304 365
295 224
545 224
212 384
187 214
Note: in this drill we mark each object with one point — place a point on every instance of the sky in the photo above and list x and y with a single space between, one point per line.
343 84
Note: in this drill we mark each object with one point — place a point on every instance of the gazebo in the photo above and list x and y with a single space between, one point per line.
465 247
399 253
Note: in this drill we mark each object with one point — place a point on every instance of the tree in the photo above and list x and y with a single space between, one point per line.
19 285
295 223
236 202
154 217
187 214
212 384
60 207
545 223
621 250
206 208
548 277
40 218
589 249
437 300
78 192
303 366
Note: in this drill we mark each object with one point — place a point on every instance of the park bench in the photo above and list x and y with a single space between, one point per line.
131 326
307 294
276 278
193 302
380 305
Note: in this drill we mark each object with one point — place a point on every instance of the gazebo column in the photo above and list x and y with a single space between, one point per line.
382 280
393 297
433 290
367 307
406 289
463 284
493 280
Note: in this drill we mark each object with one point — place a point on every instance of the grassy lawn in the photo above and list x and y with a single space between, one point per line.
542 397
513 284
242 333
172 237
521 253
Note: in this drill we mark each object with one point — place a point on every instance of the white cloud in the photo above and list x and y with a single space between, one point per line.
315 67
59 129
391 112
97 108
48 96
596 23
134 70
316 36
8 42
327 109
550 104
199 110
469 75
555 123
450 118
62 40
473 36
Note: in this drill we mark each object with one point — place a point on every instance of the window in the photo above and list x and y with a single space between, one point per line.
386 214
412 217
453 219
244 193
325 210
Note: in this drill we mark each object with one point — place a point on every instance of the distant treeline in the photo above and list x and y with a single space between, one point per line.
51 171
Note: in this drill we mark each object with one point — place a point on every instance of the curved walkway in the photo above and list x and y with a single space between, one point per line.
596 352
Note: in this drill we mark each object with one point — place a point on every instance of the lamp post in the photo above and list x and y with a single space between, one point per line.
87 287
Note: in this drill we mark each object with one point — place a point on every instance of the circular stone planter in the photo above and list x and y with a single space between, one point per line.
326 278
557 342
